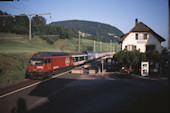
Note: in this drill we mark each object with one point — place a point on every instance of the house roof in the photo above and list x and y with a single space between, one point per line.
141 27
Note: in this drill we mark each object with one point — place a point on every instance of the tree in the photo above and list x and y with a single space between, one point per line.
154 58
20 25
38 25
160 59
6 23
38 20
130 58
164 62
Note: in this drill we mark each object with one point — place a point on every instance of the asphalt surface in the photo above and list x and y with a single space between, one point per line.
112 92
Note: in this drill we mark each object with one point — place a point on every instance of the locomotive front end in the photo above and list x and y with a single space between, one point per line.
36 67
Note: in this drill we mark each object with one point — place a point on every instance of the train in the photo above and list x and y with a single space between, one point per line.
43 64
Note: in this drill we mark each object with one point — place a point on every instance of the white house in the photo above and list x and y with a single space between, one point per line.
141 38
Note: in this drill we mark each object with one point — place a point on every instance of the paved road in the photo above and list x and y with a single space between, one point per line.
113 92
28 98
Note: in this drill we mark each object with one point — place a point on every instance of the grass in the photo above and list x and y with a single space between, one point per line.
13 67
11 35
15 53
24 45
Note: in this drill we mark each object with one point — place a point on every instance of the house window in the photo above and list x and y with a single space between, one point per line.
125 47
136 36
130 47
141 36
145 36
150 47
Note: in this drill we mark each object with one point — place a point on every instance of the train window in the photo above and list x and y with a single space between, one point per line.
37 61
77 59
74 59
47 60
81 58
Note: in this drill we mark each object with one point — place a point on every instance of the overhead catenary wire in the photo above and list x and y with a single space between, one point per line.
19 6
25 9
29 19
21 10
28 8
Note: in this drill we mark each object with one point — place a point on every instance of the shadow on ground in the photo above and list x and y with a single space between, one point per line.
117 94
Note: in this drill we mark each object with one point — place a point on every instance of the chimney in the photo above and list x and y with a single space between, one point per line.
136 21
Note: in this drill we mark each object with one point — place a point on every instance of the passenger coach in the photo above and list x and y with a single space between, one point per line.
79 58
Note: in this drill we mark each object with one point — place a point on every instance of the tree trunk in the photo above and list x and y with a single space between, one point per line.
130 68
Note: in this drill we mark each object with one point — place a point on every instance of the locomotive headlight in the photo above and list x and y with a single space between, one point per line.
40 70
39 67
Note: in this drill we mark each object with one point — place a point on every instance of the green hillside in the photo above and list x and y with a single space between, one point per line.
59 30
94 28
37 44
16 52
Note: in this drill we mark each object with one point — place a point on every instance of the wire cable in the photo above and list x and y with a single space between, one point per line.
25 6
14 7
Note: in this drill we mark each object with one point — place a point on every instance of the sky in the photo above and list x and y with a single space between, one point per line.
118 13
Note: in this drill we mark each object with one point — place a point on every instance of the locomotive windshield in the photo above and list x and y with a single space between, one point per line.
37 61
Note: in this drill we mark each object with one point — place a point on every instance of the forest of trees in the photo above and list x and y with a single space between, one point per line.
48 32
12 24
133 59
20 25
94 28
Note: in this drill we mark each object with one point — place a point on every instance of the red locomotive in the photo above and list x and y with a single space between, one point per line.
45 63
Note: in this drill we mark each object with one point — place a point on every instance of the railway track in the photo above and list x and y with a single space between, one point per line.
12 88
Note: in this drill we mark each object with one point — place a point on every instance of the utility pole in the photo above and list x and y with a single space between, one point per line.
110 45
79 41
29 19
102 66
94 46
30 28
113 48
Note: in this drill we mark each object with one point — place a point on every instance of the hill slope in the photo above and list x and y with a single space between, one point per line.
15 53
94 28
